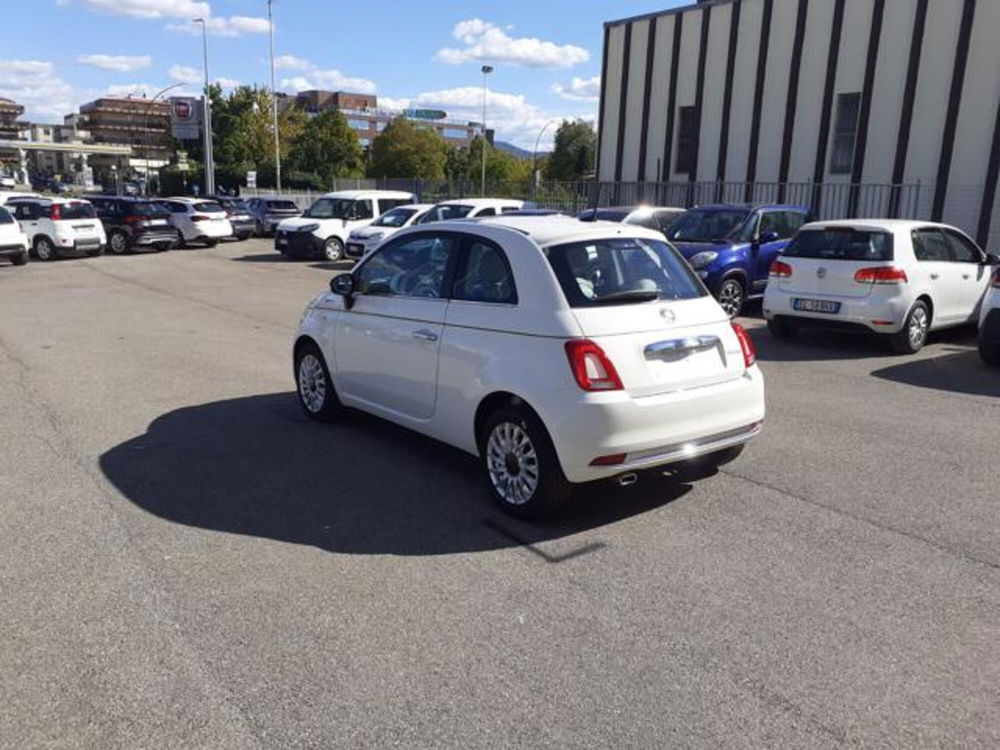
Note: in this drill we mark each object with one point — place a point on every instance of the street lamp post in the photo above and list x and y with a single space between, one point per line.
486 69
207 116
534 154
274 97
148 135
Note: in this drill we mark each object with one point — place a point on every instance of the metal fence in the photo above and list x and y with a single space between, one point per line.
827 200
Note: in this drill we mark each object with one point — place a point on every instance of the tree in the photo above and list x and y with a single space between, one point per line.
328 147
404 149
575 152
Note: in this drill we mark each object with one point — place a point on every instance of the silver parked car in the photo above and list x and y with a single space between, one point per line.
268 212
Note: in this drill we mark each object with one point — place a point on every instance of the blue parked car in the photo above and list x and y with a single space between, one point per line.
731 246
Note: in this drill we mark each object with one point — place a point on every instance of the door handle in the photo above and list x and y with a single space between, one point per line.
934 276
425 335
965 275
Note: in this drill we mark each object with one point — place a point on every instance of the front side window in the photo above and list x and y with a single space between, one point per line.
666 219
845 133
443 213
484 276
794 220
930 246
397 217
709 225
836 243
330 208
411 267
775 221
621 270
963 250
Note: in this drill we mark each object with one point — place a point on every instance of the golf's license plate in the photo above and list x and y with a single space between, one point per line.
816 306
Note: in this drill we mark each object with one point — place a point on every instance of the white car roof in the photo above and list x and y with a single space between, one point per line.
6 195
481 202
558 230
362 194
878 225
188 199
417 206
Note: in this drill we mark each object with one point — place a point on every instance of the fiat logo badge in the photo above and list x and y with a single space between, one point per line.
821 272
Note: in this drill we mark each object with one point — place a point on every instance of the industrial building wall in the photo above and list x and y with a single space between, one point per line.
837 92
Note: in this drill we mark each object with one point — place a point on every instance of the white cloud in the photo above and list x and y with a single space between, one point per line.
34 84
580 89
145 91
220 26
228 83
117 63
149 8
184 74
291 62
490 43
313 77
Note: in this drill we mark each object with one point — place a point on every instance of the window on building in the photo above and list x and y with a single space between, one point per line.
456 133
687 136
845 133
358 124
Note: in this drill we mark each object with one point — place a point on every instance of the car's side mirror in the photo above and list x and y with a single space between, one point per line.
342 285
768 236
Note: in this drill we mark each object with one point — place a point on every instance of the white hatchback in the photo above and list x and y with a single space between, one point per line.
198 220
57 227
892 277
559 352
13 241
362 241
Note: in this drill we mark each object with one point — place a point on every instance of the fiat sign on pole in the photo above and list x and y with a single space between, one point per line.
185 118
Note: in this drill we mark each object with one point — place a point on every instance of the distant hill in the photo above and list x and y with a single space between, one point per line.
520 153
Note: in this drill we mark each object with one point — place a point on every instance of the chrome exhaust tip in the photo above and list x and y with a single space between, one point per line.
627 480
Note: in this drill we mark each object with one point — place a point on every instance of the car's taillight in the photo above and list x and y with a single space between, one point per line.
591 367
881 275
780 269
746 345
56 212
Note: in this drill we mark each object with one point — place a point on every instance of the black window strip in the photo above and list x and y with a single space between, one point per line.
954 101
706 18
646 96
623 100
824 122
668 139
604 87
906 116
734 26
791 101
861 145
758 96
990 189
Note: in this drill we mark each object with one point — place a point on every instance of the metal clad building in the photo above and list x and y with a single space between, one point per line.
838 92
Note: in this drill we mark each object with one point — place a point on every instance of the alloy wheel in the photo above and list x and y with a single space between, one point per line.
312 383
44 249
512 462
119 244
731 298
334 249
917 330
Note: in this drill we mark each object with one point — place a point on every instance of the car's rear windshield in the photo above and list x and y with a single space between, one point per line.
622 270
841 243
77 210
209 207
282 205
443 213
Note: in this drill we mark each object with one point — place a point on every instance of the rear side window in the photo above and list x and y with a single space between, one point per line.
484 276
412 267
76 210
621 270
5 217
963 250
929 245
282 206
509 209
841 244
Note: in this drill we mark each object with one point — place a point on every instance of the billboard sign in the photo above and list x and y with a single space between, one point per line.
185 118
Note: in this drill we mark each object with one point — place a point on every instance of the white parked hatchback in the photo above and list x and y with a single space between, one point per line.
13 241
362 241
198 220
557 351
898 278
58 227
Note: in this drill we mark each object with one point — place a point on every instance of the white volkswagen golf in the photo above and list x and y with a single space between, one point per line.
893 277
559 352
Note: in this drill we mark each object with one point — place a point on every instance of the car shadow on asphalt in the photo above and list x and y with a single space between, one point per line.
263 258
257 466
961 371
817 344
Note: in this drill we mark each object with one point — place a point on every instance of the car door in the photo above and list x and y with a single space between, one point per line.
29 217
772 238
389 340
973 274
933 253
179 218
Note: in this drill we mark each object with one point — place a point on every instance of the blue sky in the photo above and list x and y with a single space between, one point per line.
547 55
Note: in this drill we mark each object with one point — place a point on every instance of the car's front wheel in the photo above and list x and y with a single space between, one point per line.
44 249
118 243
913 336
315 387
732 296
333 249
522 469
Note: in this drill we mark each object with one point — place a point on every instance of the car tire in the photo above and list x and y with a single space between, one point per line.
782 329
520 464
732 296
989 353
118 242
21 259
314 385
333 249
912 337
44 249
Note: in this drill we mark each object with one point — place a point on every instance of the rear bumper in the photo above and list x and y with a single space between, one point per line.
243 227
356 249
656 430
155 239
875 313
298 244
77 246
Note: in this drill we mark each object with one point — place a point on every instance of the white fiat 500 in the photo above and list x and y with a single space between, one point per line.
558 352
897 278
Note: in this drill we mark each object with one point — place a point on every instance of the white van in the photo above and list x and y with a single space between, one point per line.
322 231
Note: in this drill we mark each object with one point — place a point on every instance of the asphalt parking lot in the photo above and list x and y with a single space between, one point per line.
186 561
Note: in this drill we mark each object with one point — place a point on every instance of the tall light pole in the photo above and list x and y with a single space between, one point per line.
487 69
534 154
207 116
274 96
148 137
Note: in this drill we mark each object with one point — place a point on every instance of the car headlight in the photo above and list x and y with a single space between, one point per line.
308 228
375 237
700 260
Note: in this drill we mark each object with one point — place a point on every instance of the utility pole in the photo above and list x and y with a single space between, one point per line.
487 69
274 97
207 116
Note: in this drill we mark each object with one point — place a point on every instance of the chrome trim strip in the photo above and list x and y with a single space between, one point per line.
662 349
691 449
